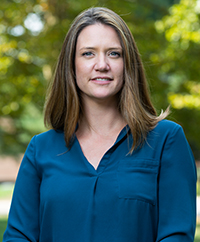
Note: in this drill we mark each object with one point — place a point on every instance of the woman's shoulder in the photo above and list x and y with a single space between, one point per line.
49 134
167 126
50 139
166 129
166 136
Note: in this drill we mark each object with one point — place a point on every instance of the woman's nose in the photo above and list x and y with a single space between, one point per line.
101 63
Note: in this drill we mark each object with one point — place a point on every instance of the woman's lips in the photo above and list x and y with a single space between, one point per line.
102 80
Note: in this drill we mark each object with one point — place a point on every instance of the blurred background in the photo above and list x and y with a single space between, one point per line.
31 35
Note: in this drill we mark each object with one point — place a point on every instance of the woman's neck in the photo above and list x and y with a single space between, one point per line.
102 118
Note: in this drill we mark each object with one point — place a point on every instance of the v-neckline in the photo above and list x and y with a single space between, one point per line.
87 162
102 163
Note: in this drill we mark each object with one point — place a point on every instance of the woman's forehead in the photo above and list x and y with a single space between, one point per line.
97 34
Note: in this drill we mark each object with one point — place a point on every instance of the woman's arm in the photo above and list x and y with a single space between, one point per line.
23 221
177 190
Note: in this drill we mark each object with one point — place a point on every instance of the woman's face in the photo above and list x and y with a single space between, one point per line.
99 63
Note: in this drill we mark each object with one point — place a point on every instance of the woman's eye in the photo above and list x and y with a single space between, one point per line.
115 54
87 54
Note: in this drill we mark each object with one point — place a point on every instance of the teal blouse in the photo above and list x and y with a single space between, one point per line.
146 196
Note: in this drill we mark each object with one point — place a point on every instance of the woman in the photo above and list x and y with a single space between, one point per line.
110 169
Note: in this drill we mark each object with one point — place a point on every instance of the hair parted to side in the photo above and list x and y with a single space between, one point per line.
63 104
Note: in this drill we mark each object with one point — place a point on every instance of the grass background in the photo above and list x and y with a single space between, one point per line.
3 222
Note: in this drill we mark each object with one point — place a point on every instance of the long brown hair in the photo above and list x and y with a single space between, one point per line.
63 104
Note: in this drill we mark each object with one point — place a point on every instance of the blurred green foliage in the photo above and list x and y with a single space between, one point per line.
31 35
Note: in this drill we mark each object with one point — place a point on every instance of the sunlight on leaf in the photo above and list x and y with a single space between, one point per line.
179 101
182 23
33 23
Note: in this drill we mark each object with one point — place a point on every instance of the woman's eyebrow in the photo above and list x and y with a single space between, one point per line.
93 48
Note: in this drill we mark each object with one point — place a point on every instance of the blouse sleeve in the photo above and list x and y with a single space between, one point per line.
177 190
23 221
